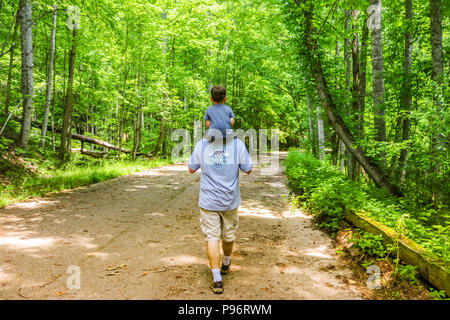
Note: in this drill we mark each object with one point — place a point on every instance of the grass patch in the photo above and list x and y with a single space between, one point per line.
80 171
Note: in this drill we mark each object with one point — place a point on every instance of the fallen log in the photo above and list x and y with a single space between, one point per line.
94 154
105 144
83 139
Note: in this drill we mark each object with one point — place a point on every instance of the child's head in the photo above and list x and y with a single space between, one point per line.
218 94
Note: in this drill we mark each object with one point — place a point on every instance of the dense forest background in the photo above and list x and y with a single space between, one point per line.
362 84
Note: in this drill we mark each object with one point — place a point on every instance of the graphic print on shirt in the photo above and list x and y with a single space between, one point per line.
218 157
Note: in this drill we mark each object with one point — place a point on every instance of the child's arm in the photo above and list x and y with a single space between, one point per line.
231 116
207 119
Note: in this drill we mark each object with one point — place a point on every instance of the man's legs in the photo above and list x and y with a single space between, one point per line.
213 249
210 225
227 251
227 248
216 224
230 224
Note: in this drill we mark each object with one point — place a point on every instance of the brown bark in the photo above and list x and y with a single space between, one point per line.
406 93
437 139
436 39
98 142
67 116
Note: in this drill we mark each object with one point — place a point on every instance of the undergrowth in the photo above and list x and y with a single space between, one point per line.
25 175
327 193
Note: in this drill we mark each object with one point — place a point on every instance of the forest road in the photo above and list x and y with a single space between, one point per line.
138 237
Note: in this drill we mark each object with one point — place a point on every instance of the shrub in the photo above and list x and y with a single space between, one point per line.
369 244
328 194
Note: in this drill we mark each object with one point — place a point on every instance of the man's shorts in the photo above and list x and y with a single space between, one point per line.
217 224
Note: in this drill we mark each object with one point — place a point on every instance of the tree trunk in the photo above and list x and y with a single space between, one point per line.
377 74
26 43
48 92
436 40
354 167
139 123
406 93
11 65
312 136
363 80
437 140
53 106
125 76
140 119
341 155
68 107
330 108
320 133
348 73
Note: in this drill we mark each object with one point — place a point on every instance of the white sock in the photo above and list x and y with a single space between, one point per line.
216 275
226 260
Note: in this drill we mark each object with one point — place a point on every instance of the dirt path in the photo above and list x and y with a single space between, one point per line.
138 237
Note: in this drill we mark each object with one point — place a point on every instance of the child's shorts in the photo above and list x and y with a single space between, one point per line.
219 224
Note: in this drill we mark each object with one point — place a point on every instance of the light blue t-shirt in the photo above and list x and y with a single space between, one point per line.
219 115
220 163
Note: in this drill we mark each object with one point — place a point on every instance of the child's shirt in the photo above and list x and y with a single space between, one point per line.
219 116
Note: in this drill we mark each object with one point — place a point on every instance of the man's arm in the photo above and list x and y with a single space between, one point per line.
245 161
207 123
231 121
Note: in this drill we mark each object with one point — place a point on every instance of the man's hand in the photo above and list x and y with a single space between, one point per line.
232 121
207 123
249 172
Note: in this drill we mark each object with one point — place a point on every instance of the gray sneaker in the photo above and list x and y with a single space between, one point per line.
217 287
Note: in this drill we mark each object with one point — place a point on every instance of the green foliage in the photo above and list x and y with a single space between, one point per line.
4 144
438 294
369 244
407 273
328 194
80 171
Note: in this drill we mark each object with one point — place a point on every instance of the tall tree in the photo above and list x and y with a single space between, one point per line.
363 79
354 167
312 135
11 64
313 54
437 76
436 40
348 73
406 92
375 24
26 44
48 92
68 104
320 133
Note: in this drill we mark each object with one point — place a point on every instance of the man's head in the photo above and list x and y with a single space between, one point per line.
218 94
